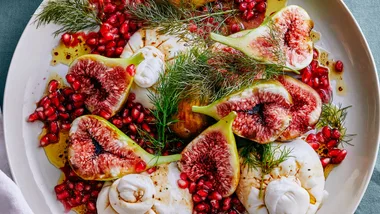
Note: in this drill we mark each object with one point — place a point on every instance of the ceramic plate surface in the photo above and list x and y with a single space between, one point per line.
341 36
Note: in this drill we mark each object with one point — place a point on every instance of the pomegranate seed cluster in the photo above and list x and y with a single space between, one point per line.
74 191
325 143
57 110
134 117
206 199
317 77
251 8
114 32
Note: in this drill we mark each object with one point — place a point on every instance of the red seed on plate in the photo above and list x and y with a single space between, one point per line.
197 198
66 39
226 204
192 187
332 143
320 137
334 153
339 66
183 184
140 166
91 206
335 134
314 145
53 138
261 7
340 157
53 86
70 78
131 70
325 161
311 138
326 132
66 126
33 117
202 193
215 195
183 176
106 115
77 97
49 111
54 127
60 188
63 195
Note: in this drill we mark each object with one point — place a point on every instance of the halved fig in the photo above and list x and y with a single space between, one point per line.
103 81
214 154
306 109
263 110
283 37
100 151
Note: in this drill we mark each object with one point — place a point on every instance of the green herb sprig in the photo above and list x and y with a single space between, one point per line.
334 117
72 15
263 156
176 20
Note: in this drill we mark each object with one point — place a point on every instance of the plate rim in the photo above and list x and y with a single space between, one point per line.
15 171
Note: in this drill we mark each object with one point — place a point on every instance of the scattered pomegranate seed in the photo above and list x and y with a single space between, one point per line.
332 144
325 161
63 195
183 176
315 54
326 132
183 184
311 138
91 206
33 117
226 204
192 187
66 39
339 66
202 193
197 198
320 137
314 145
335 134
334 153
140 166
340 157
105 114
53 86
215 196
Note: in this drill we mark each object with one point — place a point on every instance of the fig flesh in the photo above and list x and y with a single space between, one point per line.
306 109
104 82
285 36
263 110
214 154
100 151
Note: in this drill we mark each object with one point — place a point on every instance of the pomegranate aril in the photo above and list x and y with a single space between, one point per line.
325 161
78 104
33 117
314 65
326 132
131 70
60 188
306 74
215 196
197 198
79 186
135 113
85 198
70 78
340 157
331 144
66 39
121 43
106 115
67 91
335 134
249 15
334 153
243 6
261 7
151 170
53 86
140 119
316 82
339 66
49 111
208 184
66 126
101 48
78 112
226 205
322 71
109 36
92 41
127 120
44 141
119 51
109 8
63 195
146 127
69 184
201 207
320 137
311 138
41 115
235 28
53 138
140 166
91 206
192 187
215 203
182 183
53 94
54 127
110 52
202 193
55 101
77 97
117 122
53 117
76 85
314 145
183 176
324 82
94 193
232 212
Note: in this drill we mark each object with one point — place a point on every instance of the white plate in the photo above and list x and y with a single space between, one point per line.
341 36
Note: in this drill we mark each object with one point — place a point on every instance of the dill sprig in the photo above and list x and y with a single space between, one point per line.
262 156
165 99
334 117
176 20
72 15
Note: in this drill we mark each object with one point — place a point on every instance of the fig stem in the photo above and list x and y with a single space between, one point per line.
158 160
232 42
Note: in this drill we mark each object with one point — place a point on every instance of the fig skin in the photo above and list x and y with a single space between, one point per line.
120 148
195 157
256 44
190 124
250 125
114 101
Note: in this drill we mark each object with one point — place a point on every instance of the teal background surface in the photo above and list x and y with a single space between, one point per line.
15 14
